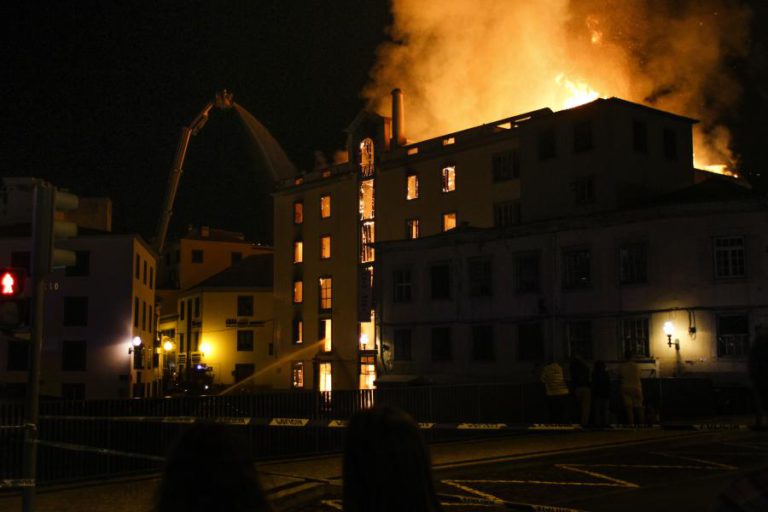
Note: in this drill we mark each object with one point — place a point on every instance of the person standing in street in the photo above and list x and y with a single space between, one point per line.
632 390
557 391
581 380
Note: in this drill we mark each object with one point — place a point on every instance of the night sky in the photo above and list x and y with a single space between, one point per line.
95 93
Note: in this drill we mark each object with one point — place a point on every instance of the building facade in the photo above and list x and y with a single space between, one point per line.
224 328
98 336
531 167
680 283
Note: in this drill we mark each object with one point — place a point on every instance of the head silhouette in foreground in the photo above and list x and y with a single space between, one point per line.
210 468
386 464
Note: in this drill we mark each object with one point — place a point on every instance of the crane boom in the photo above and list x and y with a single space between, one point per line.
222 100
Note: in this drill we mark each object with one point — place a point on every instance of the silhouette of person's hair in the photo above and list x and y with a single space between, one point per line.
386 464
210 468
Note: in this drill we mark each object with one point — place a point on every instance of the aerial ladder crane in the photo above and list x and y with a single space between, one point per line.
222 100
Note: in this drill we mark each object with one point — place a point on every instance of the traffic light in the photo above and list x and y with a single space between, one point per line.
11 282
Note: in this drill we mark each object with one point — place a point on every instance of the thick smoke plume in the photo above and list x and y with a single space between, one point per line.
466 62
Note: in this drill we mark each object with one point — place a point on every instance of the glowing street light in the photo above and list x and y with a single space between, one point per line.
168 345
669 330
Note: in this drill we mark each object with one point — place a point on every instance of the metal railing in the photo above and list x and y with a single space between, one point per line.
103 438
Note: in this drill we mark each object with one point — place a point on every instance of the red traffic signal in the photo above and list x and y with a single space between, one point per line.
11 282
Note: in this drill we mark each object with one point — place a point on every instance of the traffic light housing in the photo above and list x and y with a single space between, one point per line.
50 228
11 282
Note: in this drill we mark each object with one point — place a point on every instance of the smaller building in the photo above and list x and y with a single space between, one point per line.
98 336
223 332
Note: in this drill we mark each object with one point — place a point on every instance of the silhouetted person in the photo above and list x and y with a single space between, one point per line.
208 469
632 390
601 393
557 391
581 381
750 493
386 464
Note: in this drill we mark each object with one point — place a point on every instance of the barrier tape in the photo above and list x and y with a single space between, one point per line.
325 423
16 483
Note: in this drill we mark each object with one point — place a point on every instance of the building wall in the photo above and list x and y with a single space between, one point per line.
342 267
109 287
542 189
216 328
681 288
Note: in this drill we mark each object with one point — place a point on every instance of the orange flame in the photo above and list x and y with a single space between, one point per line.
578 93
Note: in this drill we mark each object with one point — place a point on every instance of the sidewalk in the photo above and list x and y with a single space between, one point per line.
295 480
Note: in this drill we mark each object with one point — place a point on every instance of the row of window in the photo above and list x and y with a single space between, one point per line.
325 291
732 340
325 209
325 249
583 140
145 314
505 166
140 272
191 307
729 262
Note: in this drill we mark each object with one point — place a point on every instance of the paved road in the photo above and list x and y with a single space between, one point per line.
682 474
593 471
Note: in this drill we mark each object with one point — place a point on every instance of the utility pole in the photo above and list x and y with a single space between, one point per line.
42 225
46 229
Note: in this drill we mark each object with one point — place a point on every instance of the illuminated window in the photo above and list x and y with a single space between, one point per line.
298 212
412 229
325 206
326 293
412 187
325 380
367 372
367 210
325 334
449 221
366 157
449 178
298 251
298 331
367 237
298 292
297 375
325 247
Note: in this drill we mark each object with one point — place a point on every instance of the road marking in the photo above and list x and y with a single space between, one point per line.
579 468
471 490
335 504
481 426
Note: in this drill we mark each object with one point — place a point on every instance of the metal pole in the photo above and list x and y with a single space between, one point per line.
42 220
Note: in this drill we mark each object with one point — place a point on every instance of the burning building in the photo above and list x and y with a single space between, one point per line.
335 297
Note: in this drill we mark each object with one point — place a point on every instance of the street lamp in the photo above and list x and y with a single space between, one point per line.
669 330
168 346
135 344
